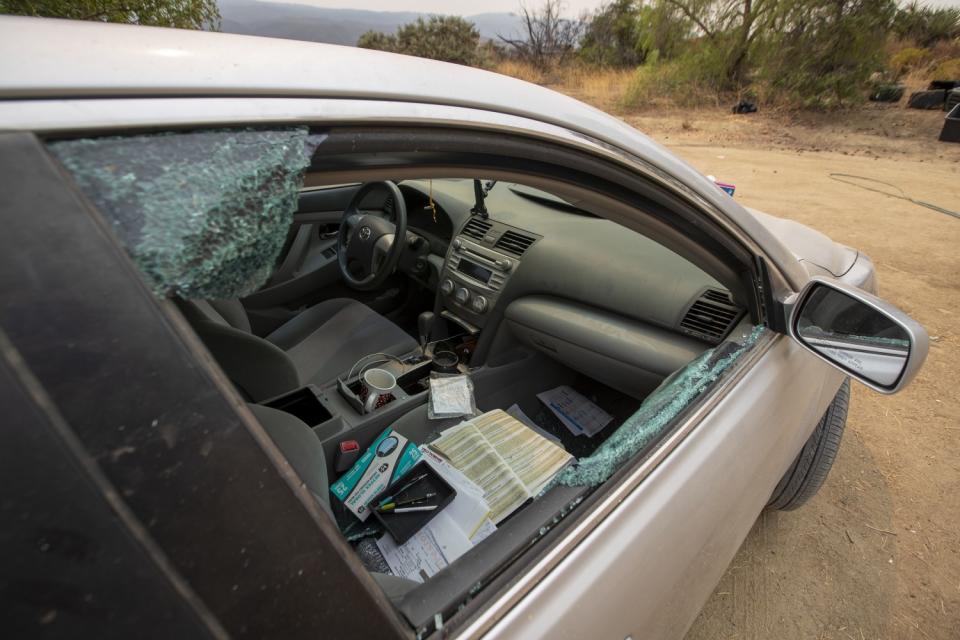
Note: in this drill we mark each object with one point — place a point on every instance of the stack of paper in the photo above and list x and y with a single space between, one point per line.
508 460
496 463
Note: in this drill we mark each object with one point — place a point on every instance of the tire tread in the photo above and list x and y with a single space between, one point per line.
812 466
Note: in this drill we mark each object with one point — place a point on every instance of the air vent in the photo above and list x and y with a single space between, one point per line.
513 242
711 316
476 228
715 295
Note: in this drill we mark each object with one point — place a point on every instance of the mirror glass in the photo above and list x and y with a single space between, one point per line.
853 334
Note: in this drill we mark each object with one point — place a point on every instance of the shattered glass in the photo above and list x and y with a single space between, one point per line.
203 214
655 414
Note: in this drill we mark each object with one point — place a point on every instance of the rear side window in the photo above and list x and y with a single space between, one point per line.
203 214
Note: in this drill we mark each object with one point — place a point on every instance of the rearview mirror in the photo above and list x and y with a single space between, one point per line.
860 334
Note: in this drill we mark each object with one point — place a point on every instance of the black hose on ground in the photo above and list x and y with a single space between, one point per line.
839 177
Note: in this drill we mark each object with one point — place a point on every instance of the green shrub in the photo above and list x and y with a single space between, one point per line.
909 58
613 37
180 14
947 70
693 79
377 40
827 53
926 25
447 38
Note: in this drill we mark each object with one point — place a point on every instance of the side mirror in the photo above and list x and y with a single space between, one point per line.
860 334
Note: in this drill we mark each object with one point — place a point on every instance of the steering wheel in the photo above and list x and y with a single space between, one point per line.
368 246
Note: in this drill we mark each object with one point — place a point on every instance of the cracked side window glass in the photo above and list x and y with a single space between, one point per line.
656 414
203 214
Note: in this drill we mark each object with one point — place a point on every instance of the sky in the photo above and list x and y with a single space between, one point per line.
472 7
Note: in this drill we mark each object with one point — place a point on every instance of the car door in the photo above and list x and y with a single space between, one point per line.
645 552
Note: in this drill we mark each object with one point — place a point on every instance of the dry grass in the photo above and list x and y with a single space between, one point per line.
675 84
521 71
602 88
916 67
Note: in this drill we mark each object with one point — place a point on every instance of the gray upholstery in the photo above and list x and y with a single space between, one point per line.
223 312
304 451
259 369
325 340
300 446
314 347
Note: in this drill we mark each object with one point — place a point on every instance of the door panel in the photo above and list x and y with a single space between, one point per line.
311 244
309 273
649 567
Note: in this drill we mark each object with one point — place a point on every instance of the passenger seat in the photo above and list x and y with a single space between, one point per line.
314 347
304 451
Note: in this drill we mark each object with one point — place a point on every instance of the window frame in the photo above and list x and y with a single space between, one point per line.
83 296
612 161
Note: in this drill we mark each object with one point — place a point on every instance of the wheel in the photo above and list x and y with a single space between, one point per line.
809 471
368 245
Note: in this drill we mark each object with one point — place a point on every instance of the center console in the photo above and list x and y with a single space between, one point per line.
478 266
479 263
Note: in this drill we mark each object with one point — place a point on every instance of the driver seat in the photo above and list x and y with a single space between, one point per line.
314 347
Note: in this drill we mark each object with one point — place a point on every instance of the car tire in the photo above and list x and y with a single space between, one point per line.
809 471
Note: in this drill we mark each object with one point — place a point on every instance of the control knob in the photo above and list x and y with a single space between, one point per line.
446 287
479 304
504 265
457 244
462 295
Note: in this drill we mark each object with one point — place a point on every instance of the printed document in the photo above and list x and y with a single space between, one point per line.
428 551
578 414
508 460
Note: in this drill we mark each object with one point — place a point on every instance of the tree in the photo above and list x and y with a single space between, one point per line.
182 14
730 28
378 40
824 51
613 36
626 33
816 52
447 38
925 25
550 38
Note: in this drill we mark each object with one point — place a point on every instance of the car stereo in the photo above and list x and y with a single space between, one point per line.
475 271
477 268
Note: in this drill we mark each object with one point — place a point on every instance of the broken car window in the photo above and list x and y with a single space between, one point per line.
203 214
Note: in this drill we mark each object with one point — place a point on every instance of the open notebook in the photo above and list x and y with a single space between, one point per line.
510 461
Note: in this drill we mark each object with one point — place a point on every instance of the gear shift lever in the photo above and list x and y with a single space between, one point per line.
424 325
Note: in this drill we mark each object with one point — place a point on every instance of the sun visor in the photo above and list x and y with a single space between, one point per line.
656 413
203 214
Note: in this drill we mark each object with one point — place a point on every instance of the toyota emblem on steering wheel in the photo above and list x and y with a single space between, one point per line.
365 233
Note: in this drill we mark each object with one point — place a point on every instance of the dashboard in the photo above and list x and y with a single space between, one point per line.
585 291
573 256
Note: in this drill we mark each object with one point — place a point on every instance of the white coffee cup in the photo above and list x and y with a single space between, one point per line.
379 382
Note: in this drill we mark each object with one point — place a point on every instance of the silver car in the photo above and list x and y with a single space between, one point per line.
231 263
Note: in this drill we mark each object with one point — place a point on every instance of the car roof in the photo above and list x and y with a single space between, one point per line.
55 59
63 58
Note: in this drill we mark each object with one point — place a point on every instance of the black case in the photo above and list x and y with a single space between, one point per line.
402 526
951 126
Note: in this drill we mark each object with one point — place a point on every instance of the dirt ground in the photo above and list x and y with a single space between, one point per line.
877 553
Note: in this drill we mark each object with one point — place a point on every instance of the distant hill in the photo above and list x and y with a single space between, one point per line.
337 26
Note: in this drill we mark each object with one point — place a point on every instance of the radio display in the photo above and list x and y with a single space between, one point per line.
475 271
